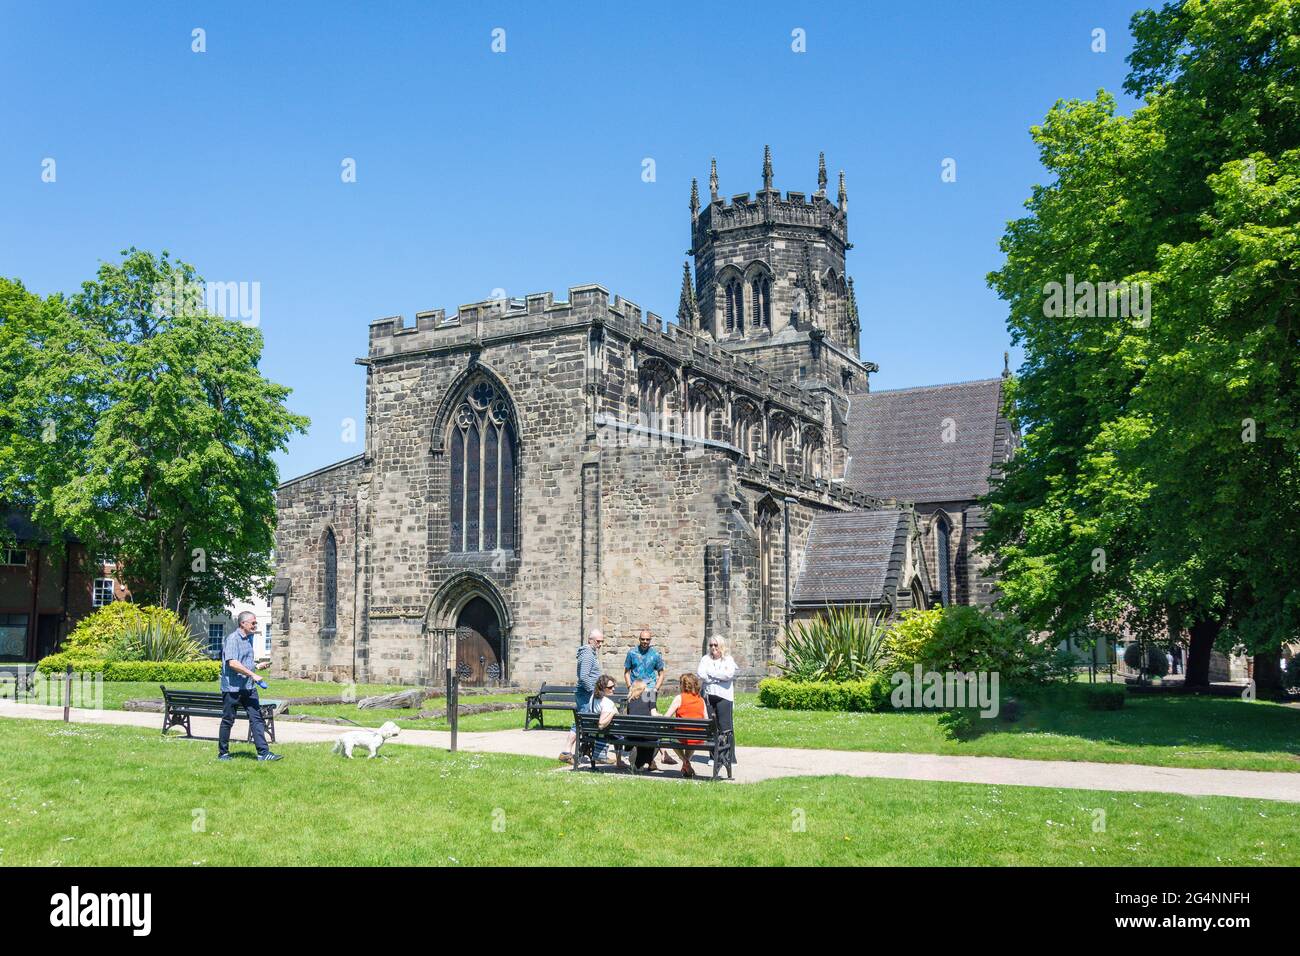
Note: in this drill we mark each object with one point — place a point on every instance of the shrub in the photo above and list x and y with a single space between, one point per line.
159 672
838 644
1104 696
80 660
1291 676
100 630
159 639
966 640
149 671
869 694
1157 662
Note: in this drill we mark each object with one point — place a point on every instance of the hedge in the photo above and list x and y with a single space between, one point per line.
144 671
1104 696
856 695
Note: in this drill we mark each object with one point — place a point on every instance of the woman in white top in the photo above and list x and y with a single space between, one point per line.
716 672
603 704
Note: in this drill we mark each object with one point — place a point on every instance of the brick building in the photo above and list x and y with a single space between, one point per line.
534 468
44 590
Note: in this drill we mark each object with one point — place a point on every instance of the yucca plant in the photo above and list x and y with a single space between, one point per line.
838 644
158 640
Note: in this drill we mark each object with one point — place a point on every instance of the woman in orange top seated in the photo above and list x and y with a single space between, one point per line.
690 704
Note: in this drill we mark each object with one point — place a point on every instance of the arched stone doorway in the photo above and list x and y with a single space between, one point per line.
480 652
470 610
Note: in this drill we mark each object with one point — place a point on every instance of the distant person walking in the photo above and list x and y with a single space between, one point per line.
717 672
588 674
239 688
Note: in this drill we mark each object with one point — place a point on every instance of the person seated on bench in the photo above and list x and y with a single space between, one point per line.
603 704
639 705
688 704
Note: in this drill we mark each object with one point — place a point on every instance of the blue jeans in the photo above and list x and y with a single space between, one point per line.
248 700
582 703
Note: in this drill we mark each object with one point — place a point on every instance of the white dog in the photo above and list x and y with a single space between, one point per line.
372 740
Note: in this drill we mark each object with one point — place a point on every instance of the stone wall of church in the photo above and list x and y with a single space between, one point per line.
412 562
307 508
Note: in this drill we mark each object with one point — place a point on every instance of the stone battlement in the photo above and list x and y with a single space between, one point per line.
479 323
767 208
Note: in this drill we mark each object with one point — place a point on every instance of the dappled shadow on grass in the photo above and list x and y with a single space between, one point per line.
1174 720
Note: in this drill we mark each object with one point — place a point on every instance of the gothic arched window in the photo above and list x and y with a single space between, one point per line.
767 529
735 304
760 295
482 466
941 535
330 595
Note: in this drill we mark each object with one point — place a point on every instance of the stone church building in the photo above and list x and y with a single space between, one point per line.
534 468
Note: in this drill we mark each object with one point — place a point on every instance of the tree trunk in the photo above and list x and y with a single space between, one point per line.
1203 635
1268 673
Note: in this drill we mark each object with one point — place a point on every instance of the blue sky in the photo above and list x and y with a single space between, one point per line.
522 170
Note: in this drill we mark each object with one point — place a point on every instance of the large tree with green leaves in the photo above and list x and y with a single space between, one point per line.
1158 485
141 424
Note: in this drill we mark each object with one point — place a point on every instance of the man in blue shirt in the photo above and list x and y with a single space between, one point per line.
239 688
644 663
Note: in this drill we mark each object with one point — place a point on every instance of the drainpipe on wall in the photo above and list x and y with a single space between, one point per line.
32 629
786 516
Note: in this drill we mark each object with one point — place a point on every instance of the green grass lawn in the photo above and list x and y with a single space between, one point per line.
95 795
118 692
1167 731
1162 730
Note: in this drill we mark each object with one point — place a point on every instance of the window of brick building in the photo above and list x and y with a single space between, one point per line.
102 593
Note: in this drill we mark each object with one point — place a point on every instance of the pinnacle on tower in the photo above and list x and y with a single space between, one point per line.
713 179
767 169
821 174
688 310
695 199
844 194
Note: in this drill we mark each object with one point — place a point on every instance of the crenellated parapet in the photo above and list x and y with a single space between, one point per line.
768 209
478 324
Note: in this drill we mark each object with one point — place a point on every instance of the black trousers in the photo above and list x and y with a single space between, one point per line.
721 708
248 700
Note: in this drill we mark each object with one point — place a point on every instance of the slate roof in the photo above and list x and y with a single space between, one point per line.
852 557
895 440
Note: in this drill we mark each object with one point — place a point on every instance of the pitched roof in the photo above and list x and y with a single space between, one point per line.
896 440
852 557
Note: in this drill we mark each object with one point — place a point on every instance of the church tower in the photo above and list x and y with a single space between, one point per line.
770 281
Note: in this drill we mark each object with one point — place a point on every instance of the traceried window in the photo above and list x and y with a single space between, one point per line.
760 296
941 535
735 306
330 599
767 519
482 465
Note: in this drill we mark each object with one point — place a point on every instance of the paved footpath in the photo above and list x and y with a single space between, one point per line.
766 763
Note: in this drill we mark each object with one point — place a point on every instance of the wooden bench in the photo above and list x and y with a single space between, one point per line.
558 697
18 676
657 732
180 705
